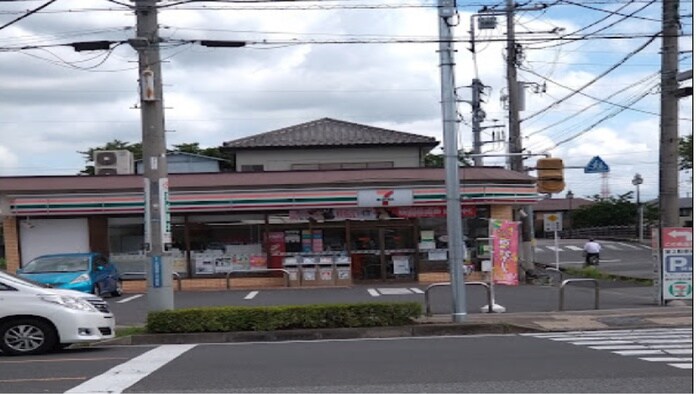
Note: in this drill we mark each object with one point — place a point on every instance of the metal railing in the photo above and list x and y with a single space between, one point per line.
263 271
556 271
176 275
444 284
566 282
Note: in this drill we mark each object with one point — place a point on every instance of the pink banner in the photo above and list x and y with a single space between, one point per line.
505 236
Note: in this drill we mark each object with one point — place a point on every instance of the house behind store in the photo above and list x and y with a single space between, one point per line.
349 202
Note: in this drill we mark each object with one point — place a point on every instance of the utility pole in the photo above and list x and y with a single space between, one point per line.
477 117
453 197
156 216
668 144
514 140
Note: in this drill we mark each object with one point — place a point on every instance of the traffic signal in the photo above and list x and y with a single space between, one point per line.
550 175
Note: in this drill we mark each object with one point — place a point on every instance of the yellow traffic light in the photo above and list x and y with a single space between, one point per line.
550 175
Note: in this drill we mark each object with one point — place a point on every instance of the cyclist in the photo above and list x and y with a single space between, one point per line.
592 252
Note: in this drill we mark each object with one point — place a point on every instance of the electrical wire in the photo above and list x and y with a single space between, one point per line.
594 80
28 13
605 100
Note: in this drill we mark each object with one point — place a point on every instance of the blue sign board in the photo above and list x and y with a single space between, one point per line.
678 263
157 271
596 165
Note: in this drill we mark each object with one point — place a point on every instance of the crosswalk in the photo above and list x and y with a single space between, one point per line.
618 246
393 291
672 346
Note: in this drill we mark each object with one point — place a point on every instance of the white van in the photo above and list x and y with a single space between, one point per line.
36 319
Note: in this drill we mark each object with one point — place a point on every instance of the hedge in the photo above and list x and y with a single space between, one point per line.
241 318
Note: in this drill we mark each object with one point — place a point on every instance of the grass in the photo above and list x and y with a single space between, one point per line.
132 330
594 273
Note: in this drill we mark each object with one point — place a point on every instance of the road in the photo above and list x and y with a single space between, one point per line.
619 258
657 360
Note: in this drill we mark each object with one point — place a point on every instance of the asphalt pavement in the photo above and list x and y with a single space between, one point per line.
544 306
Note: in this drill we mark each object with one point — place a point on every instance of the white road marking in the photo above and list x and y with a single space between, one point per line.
575 248
554 249
125 375
127 299
251 295
638 352
394 291
417 290
668 359
673 346
373 293
682 365
612 247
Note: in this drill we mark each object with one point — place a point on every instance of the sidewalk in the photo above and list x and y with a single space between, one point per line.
491 323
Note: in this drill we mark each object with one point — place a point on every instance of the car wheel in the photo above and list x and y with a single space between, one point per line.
27 336
118 290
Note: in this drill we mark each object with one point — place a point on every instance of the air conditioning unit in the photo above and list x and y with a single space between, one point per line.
113 162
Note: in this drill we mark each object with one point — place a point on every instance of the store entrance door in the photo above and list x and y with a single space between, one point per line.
383 253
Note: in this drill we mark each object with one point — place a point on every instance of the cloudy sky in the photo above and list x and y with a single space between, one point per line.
367 61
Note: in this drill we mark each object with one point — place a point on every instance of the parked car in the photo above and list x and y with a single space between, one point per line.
86 272
36 319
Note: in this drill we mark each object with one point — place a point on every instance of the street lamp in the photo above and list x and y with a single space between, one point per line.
570 197
636 181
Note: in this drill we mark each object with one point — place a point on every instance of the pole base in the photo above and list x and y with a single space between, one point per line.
496 308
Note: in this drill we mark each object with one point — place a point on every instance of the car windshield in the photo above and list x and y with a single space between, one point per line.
57 264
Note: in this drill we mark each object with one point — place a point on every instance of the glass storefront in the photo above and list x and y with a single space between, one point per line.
368 244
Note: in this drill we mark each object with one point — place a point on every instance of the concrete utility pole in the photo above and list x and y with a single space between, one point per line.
477 117
514 140
668 143
156 216
446 13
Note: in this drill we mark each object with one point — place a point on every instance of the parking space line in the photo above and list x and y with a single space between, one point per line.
373 292
125 375
251 295
417 290
127 299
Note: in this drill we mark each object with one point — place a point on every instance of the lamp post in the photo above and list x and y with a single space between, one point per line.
570 197
636 181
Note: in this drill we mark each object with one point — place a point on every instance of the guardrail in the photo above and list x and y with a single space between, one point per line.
566 282
176 275
561 274
443 284
267 270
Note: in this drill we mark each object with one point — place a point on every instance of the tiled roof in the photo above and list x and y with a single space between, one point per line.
329 132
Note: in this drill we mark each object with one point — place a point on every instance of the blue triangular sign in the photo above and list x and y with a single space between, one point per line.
596 165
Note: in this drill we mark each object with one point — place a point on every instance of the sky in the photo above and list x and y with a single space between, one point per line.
372 62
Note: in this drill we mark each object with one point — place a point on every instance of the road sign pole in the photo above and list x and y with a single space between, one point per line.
556 247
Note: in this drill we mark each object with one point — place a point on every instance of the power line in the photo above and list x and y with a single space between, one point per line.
594 80
28 13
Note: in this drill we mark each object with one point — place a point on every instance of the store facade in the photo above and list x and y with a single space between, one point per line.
345 226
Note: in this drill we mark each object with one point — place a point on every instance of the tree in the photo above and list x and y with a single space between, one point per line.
611 211
438 160
137 150
685 152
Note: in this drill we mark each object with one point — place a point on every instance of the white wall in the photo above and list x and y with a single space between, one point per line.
282 160
45 236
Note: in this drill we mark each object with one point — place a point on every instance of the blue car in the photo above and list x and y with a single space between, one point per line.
86 272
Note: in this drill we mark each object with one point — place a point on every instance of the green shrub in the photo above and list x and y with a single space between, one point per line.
3 264
240 318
